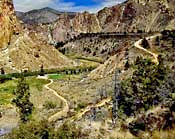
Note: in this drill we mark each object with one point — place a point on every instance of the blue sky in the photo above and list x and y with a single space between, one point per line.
83 2
65 5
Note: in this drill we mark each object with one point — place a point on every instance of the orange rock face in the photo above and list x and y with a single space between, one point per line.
130 16
23 49
8 22
86 23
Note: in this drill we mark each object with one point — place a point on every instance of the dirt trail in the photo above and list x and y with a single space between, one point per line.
138 45
79 115
64 111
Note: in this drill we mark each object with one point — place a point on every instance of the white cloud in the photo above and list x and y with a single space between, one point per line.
26 5
104 3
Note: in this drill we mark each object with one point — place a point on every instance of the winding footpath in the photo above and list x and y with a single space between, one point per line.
65 110
79 115
88 108
138 45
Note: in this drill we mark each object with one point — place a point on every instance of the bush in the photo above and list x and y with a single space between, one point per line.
148 86
50 105
4 78
33 130
45 130
80 106
162 120
70 131
145 43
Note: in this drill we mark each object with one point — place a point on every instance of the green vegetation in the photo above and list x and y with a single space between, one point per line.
92 59
4 78
44 130
6 92
63 76
70 131
22 101
145 43
56 76
36 83
168 33
50 105
145 88
80 106
32 130
7 88
73 70
150 86
42 71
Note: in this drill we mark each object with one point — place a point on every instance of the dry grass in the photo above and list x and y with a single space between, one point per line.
122 135
79 91
168 134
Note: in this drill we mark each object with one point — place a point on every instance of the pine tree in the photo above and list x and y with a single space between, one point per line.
22 99
145 43
2 71
127 65
42 70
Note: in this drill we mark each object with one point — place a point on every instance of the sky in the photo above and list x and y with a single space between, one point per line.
65 5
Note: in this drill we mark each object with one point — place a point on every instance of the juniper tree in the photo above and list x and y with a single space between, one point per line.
2 71
22 101
127 65
145 88
42 70
145 43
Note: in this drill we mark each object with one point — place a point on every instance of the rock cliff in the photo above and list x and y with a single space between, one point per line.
21 48
130 16
8 22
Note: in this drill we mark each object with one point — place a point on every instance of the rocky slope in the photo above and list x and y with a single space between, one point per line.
66 27
125 17
62 30
86 23
98 45
53 25
24 49
128 16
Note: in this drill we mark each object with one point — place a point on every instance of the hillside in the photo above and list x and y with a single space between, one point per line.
102 45
128 16
106 75
41 16
23 49
125 17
